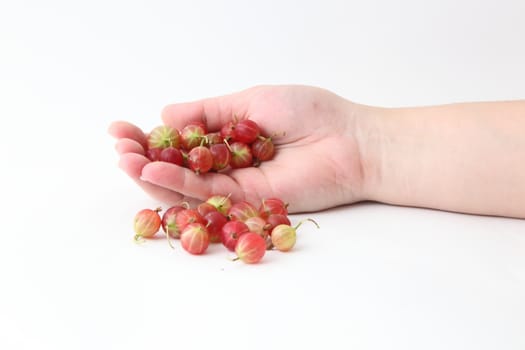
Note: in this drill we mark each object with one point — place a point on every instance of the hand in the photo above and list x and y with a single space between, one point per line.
317 164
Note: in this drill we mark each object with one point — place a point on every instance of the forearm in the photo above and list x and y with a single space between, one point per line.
461 157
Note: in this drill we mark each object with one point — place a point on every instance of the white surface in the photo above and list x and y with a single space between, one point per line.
373 277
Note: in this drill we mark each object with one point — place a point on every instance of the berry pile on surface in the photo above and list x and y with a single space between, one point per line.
238 144
241 227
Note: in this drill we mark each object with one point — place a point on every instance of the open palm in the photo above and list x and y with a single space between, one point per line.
316 166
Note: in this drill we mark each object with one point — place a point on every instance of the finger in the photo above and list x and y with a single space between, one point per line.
214 112
122 129
128 146
132 164
189 184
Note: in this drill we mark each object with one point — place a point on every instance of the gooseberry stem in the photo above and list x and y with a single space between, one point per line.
308 219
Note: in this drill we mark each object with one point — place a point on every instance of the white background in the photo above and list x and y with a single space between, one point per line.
373 277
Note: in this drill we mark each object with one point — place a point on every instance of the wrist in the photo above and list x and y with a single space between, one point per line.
371 132
451 157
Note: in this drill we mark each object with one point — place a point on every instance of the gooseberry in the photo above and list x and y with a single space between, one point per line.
163 136
200 159
250 248
284 236
146 223
230 233
194 238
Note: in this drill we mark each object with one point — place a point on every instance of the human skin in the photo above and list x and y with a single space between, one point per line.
465 157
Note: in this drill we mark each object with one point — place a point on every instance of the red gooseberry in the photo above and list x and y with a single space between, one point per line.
171 155
214 223
272 206
227 130
163 136
245 131
194 238
230 233
221 203
200 159
241 155
258 225
213 138
241 211
169 224
263 149
146 223
204 208
250 248
277 219
153 154
221 156
188 216
192 135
